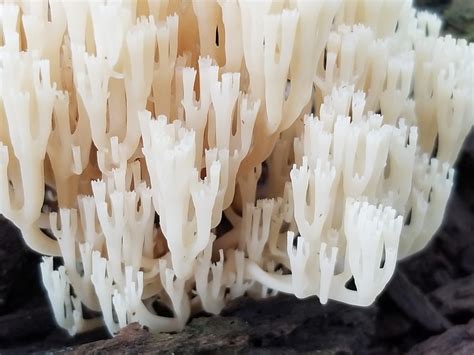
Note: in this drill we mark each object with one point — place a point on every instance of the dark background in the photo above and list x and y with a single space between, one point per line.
427 308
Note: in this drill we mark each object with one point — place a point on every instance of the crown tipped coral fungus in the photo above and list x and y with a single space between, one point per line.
202 150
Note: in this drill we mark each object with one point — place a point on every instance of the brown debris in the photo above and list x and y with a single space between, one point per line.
415 304
456 298
458 340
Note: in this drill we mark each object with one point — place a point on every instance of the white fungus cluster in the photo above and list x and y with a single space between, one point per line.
200 150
